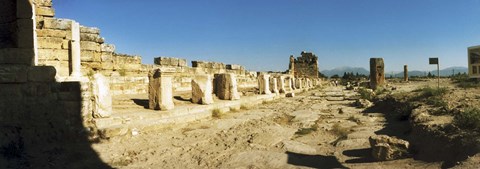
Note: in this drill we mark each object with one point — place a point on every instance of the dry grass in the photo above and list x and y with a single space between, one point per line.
305 131
244 107
216 113
354 119
285 119
340 131
234 110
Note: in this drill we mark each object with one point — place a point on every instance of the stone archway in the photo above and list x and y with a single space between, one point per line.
17 31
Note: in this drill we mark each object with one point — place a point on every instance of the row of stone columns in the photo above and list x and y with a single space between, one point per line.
224 86
283 83
160 89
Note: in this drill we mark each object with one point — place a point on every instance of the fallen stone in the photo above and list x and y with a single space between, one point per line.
298 147
385 148
290 95
363 103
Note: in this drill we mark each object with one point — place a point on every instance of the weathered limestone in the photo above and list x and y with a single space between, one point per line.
102 97
160 94
263 83
377 72
291 81
281 85
298 83
75 50
202 89
273 86
170 61
386 148
225 86
405 73
304 66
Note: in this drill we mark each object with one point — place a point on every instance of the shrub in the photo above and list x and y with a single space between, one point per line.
366 94
244 107
429 91
216 113
340 131
468 119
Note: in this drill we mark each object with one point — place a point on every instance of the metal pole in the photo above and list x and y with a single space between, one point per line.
438 75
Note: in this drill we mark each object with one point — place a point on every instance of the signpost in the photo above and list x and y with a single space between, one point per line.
434 61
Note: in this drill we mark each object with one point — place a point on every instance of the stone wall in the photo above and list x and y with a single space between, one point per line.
127 74
304 66
183 74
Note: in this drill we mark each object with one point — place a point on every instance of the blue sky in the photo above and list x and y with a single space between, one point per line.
262 34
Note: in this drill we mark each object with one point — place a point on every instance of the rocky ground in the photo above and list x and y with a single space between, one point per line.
321 128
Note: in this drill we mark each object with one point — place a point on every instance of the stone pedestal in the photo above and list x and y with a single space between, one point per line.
273 86
202 89
377 73
102 97
225 86
263 84
160 94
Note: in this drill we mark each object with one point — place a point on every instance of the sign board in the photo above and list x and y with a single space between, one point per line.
433 61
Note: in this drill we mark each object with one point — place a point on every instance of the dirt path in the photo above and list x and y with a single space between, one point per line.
316 129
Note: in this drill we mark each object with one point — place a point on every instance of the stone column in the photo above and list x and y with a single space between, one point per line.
160 94
405 73
298 83
202 89
293 83
225 86
75 50
263 83
377 72
281 84
273 86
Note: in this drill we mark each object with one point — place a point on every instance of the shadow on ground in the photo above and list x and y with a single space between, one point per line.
141 102
313 161
363 155
41 130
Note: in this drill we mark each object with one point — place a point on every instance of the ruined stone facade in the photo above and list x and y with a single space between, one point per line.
304 66
377 73
474 62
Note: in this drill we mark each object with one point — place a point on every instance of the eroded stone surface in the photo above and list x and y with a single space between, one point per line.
160 90
102 96
225 86
202 89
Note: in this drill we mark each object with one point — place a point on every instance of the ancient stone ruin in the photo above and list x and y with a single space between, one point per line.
305 65
377 73
474 62
60 79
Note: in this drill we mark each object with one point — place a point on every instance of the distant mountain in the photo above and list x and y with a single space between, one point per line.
341 70
443 72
